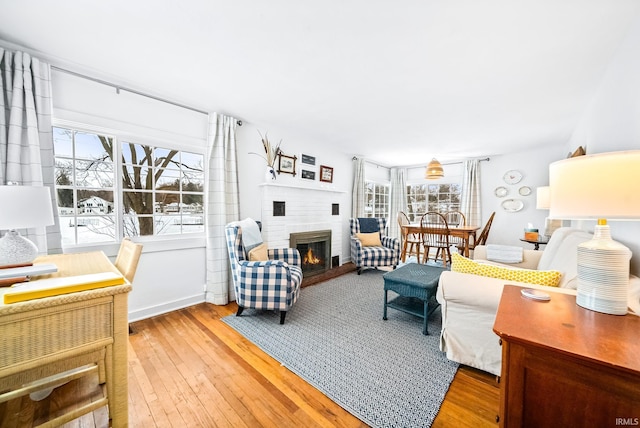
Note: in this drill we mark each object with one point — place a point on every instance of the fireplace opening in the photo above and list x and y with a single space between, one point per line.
315 250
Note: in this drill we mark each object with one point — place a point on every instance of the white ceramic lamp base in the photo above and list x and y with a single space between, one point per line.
603 274
16 249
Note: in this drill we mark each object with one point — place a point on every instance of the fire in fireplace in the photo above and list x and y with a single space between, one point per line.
315 250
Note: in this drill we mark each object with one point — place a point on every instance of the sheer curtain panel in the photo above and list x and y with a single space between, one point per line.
397 200
358 198
26 142
470 200
222 205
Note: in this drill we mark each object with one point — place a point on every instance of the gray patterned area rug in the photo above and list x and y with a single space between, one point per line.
386 373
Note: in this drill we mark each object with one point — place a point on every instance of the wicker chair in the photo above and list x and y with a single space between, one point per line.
268 285
373 256
127 258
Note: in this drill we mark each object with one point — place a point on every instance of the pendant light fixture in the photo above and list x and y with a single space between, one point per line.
434 170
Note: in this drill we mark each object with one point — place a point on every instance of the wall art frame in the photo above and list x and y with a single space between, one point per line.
326 174
287 164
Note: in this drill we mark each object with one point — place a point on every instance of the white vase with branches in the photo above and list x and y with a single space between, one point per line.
270 156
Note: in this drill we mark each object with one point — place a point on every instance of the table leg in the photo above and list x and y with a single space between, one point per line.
403 256
384 314
426 318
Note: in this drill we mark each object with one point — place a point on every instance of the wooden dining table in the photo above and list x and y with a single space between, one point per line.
464 232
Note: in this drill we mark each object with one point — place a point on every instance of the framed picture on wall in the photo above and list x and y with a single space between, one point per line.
287 164
309 175
308 159
326 174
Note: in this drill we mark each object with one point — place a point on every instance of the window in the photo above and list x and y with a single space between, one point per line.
377 200
422 198
106 190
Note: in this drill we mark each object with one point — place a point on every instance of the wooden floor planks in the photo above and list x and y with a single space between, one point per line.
189 369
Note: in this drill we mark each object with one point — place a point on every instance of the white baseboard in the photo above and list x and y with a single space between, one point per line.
152 311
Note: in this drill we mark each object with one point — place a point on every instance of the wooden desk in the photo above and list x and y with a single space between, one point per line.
44 337
565 366
464 232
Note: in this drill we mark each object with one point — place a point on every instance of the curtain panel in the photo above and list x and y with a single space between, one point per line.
397 199
358 198
470 199
26 137
223 205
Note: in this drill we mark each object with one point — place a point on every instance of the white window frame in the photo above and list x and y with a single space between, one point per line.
375 195
152 242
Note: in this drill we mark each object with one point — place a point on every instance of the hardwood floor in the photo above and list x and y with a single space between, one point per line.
189 369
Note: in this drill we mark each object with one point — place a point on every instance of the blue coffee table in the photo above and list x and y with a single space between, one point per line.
416 285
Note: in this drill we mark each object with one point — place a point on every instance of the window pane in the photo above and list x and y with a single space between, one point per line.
169 179
137 154
193 182
63 142
192 162
93 147
94 174
94 202
137 177
64 172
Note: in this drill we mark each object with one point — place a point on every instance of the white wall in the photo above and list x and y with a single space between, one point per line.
171 273
611 123
508 227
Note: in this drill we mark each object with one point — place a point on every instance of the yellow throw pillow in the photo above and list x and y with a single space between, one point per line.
550 278
259 253
369 239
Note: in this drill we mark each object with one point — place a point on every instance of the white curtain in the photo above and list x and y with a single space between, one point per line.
470 203
26 138
222 205
358 198
397 199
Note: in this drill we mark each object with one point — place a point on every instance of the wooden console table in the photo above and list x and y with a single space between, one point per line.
48 336
566 366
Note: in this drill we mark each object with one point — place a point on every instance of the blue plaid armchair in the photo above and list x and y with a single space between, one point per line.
365 256
270 285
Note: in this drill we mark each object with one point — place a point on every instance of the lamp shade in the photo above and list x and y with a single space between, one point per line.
434 170
542 198
24 207
605 185
602 186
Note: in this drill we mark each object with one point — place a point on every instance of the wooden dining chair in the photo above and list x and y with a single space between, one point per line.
456 219
414 241
435 234
482 238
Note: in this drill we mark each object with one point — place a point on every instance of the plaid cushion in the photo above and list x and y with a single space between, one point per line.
272 284
387 255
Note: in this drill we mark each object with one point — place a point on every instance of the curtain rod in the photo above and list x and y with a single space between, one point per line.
418 165
119 88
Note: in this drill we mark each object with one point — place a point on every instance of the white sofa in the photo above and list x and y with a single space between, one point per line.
469 302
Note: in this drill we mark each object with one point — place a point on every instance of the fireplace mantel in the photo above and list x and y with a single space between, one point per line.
295 186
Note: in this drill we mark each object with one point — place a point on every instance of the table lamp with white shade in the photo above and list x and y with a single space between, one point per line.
599 187
543 203
22 207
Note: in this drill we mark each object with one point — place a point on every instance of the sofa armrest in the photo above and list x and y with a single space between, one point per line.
530 258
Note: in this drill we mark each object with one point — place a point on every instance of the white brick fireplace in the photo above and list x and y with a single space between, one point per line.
305 210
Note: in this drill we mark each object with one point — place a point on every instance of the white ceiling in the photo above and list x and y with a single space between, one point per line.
443 78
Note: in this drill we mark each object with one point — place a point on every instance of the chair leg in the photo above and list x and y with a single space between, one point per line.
358 270
240 309
283 314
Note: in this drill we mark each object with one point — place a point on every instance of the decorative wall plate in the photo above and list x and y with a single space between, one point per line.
524 191
512 177
501 191
512 205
